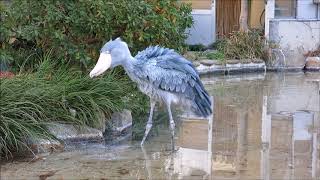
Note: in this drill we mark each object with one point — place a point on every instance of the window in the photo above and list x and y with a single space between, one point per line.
285 8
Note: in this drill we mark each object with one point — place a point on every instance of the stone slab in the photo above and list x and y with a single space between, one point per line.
68 132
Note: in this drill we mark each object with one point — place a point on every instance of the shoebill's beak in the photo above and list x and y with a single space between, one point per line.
104 62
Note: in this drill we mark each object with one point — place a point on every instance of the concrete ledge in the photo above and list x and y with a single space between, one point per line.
236 67
231 68
285 69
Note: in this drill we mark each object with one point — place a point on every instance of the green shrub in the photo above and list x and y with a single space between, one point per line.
196 47
30 101
215 55
75 30
243 45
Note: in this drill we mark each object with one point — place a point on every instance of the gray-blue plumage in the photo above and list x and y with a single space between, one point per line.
161 73
168 71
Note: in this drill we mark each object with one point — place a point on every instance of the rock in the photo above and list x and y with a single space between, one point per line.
214 69
246 61
233 65
210 51
45 146
121 121
208 62
191 55
249 67
257 60
68 132
47 174
218 63
312 63
233 61
196 63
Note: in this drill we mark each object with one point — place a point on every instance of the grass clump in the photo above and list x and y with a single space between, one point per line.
31 101
243 45
197 47
216 55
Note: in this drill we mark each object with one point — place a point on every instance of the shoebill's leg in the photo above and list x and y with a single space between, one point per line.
149 123
172 124
147 164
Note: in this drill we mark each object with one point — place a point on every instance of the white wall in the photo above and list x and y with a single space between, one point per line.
295 37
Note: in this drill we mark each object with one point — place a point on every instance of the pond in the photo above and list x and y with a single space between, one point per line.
264 126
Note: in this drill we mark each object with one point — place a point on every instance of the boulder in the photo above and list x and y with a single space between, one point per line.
38 145
209 62
196 63
246 61
191 55
312 63
63 133
233 61
257 60
121 121
68 132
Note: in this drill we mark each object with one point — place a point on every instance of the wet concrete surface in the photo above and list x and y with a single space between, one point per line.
265 126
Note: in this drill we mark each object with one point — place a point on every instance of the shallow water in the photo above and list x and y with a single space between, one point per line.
265 126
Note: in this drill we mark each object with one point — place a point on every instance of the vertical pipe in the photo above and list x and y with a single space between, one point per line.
213 11
269 14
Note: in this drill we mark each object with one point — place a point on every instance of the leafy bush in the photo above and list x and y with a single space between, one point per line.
30 101
216 55
243 45
196 47
75 30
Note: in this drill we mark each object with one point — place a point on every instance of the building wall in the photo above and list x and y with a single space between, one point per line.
295 37
256 9
199 4
319 11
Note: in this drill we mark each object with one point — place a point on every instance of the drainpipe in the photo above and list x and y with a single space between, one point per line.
214 16
269 14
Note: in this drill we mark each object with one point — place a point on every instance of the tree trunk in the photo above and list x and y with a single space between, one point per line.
243 20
